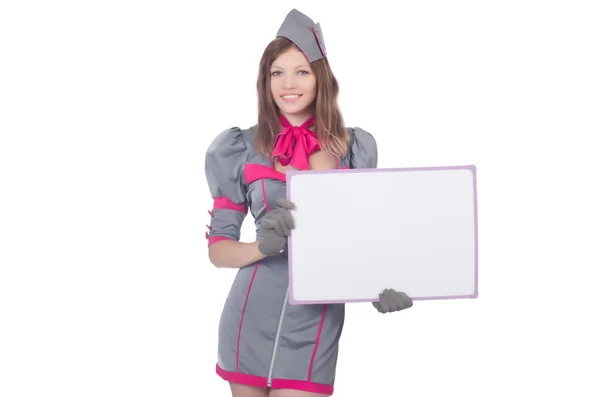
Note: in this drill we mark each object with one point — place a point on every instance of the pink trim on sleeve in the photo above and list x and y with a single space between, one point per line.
223 203
212 240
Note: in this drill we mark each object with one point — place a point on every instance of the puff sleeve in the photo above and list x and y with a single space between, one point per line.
224 164
363 149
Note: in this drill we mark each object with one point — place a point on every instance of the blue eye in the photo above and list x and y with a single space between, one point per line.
276 73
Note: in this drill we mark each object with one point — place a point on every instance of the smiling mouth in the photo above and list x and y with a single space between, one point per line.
290 98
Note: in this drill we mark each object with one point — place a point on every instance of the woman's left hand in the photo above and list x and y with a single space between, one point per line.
392 301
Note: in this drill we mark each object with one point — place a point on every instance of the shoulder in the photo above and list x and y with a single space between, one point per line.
225 158
229 141
233 145
363 148
362 138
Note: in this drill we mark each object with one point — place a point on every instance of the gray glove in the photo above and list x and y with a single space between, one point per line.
392 301
276 226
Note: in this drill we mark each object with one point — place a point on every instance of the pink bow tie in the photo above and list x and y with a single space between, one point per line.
295 144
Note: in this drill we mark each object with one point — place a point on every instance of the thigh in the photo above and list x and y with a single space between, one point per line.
238 390
294 393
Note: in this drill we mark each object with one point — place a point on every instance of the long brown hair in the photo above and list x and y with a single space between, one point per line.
329 123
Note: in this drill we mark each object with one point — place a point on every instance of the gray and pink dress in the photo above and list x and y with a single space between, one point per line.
263 340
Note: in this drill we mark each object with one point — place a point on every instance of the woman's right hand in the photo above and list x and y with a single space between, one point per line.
276 226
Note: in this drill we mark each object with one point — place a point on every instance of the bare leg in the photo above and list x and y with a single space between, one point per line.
294 393
238 390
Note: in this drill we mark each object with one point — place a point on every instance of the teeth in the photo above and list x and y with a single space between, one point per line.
291 96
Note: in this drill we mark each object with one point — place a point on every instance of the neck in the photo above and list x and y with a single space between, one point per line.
297 118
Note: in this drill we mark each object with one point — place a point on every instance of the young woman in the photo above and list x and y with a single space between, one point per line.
268 348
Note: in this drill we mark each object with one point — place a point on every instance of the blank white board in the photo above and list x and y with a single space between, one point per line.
359 231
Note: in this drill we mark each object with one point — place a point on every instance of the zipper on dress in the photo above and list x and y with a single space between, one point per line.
277 335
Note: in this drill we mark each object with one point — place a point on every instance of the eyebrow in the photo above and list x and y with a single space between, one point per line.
297 67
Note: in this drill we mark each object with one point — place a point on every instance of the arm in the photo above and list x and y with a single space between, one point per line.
275 228
225 159
234 254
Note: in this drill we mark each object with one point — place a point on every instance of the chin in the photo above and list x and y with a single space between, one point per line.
293 108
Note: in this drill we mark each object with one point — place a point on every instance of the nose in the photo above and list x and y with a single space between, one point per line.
289 81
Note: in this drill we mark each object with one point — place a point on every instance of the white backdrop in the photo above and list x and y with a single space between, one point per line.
107 109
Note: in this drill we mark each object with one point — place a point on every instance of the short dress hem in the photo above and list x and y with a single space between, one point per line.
262 382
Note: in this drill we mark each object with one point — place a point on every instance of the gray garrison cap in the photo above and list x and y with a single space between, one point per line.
303 32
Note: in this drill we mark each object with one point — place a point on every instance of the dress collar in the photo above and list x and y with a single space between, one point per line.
295 144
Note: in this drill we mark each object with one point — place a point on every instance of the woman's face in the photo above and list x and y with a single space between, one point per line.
293 85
